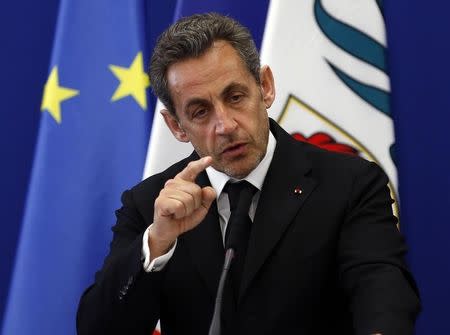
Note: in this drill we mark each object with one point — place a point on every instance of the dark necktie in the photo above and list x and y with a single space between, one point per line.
239 227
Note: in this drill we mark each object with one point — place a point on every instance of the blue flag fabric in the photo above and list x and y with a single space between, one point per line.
92 143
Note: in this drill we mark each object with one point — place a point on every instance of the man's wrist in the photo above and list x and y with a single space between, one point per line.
153 263
158 246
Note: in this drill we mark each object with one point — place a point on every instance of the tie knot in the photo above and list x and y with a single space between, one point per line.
240 194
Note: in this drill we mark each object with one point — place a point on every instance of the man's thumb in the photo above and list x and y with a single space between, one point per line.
208 196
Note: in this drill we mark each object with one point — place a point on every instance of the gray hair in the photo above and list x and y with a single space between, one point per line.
191 37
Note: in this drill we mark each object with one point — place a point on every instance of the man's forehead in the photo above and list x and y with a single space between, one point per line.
216 54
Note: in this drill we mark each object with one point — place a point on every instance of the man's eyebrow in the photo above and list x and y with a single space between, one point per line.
194 102
233 87
225 92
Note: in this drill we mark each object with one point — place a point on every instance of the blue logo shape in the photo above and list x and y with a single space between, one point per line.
361 46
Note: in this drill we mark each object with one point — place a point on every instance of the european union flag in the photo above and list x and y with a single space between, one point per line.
92 144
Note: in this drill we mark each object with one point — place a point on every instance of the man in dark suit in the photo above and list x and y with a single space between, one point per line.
324 255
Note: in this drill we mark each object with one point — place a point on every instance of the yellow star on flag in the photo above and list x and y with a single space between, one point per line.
55 94
133 81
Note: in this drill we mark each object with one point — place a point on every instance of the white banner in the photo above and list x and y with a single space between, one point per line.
328 60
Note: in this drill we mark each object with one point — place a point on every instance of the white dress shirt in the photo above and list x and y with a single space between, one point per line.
218 181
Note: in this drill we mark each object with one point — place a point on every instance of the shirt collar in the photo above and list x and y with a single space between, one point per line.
256 177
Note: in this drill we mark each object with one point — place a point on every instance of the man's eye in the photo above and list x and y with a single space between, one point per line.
199 113
236 98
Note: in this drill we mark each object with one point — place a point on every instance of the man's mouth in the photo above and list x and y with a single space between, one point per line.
234 150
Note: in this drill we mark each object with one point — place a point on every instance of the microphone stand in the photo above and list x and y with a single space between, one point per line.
215 327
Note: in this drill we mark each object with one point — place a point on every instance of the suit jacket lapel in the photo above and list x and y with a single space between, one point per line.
279 202
205 244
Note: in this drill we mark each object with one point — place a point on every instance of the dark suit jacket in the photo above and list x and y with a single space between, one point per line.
328 260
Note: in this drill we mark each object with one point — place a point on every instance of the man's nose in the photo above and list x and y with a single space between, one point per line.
225 121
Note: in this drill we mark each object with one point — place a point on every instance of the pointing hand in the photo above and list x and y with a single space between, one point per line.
180 206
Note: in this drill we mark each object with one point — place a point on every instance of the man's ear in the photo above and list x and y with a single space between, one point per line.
174 126
267 85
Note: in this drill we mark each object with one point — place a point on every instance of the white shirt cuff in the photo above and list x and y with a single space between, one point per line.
159 262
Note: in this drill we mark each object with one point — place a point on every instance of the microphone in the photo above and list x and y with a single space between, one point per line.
231 243
215 327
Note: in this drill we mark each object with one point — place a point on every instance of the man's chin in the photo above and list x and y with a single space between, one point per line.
238 169
237 174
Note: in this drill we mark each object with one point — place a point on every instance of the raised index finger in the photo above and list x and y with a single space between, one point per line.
192 170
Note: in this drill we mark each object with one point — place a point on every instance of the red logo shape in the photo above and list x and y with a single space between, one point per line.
327 142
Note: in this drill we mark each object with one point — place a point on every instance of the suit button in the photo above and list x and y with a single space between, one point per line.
123 291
